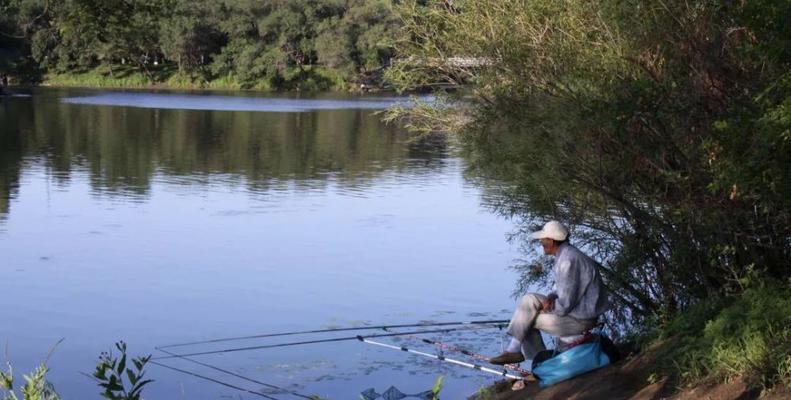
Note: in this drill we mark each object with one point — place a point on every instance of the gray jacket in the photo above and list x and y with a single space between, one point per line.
578 286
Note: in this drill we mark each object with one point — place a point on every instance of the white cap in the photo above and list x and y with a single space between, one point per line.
552 230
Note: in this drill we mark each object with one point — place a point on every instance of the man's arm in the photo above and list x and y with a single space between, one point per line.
567 281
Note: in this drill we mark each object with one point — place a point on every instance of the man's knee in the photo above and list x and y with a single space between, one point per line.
531 300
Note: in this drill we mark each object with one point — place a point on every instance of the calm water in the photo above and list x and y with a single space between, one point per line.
160 218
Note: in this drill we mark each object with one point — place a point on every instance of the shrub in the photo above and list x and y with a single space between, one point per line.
748 335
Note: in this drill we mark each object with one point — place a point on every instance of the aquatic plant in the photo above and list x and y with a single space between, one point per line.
36 386
437 388
111 370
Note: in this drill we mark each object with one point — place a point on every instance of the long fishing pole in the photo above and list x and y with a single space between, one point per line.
339 339
504 372
269 385
214 380
466 352
359 328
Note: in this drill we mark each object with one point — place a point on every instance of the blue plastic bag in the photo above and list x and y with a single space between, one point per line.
570 363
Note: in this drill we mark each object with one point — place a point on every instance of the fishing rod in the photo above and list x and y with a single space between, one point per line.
504 372
338 339
214 380
360 328
457 349
269 385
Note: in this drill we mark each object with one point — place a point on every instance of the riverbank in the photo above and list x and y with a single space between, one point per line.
310 79
726 349
632 379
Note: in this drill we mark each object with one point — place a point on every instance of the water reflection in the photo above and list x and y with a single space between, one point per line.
162 225
123 149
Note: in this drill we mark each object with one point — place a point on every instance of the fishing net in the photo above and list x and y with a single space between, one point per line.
392 393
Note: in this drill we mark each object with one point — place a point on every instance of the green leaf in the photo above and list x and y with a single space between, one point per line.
122 364
6 380
99 374
136 390
132 377
437 387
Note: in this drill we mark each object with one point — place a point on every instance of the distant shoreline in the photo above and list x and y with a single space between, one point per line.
317 81
196 88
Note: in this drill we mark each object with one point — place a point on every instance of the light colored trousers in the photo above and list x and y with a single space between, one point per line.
528 320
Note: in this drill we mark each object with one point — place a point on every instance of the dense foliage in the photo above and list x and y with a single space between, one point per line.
749 336
661 130
266 43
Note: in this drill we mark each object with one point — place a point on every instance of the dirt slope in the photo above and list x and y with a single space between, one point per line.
630 379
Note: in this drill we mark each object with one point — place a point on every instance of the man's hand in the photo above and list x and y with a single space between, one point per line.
548 305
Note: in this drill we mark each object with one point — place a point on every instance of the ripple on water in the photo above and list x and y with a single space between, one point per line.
233 103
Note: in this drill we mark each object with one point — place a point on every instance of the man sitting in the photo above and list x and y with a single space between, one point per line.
579 297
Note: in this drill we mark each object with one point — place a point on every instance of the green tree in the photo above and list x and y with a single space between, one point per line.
373 26
19 19
271 43
334 45
86 32
191 36
664 142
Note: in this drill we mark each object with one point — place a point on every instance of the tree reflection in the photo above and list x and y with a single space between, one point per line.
124 148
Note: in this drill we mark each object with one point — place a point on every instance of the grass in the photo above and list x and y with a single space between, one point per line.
100 78
747 336
436 388
35 387
486 393
316 79
309 79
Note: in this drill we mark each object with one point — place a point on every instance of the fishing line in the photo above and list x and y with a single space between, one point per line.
339 339
471 325
361 328
269 385
503 373
214 380
476 356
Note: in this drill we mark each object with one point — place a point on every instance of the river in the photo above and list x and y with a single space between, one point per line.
159 218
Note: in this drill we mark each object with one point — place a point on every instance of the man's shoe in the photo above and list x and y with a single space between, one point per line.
507 358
